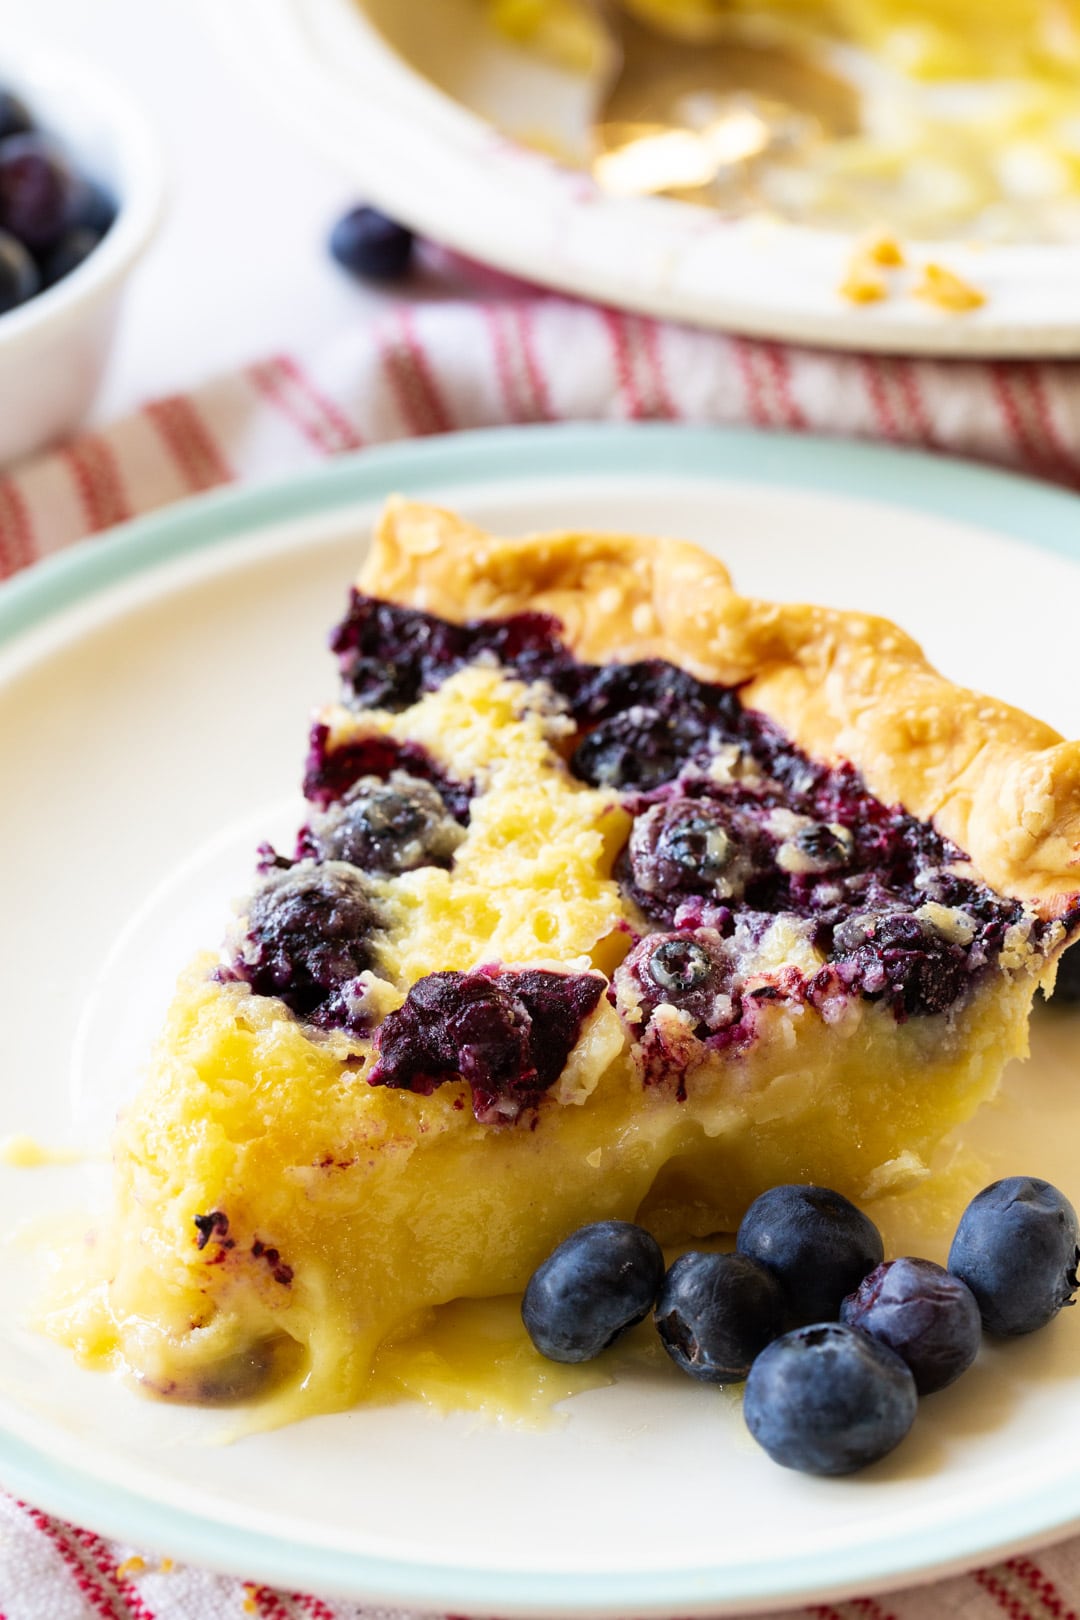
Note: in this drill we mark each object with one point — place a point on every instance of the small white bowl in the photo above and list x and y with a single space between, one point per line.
54 347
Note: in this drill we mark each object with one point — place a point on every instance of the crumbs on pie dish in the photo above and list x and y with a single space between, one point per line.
619 895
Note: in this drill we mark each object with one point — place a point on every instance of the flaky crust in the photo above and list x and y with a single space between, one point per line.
845 686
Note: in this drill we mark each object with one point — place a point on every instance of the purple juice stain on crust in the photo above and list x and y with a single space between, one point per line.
508 1034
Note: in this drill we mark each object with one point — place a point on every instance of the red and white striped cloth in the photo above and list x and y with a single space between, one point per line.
508 356
434 367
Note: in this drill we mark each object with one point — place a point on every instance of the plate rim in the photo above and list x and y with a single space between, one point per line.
283 48
1005 503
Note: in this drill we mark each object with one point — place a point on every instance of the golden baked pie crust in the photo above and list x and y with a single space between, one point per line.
845 686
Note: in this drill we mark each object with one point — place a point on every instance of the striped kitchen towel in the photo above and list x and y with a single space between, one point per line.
523 357
511 355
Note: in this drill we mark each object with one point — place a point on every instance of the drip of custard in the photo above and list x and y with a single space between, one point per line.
474 1355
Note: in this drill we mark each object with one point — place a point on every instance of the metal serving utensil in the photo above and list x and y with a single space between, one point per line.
698 119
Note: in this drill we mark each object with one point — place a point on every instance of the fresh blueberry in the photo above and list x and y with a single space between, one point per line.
827 1399
716 1313
925 1314
15 115
816 1242
92 206
393 826
19 279
73 247
1016 1248
371 246
599 1282
36 187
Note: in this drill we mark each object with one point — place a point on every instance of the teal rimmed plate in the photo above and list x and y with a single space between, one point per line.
154 689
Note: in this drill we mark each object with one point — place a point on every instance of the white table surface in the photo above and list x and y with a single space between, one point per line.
239 268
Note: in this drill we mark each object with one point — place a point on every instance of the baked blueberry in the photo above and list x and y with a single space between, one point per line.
900 957
386 827
1016 1248
924 1313
716 1313
692 846
36 187
678 965
508 1034
598 1282
693 972
306 938
371 246
815 849
634 749
828 1399
19 278
815 1241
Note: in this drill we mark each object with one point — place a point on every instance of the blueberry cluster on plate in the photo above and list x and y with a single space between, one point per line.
51 215
836 1343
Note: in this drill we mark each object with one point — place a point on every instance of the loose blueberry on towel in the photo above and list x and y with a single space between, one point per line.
828 1399
371 246
929 1317
1016 1248
598 1282
716 1313
818 1245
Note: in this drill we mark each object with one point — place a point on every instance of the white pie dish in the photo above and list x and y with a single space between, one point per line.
432 159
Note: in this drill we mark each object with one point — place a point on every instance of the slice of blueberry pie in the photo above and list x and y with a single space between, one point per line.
619 895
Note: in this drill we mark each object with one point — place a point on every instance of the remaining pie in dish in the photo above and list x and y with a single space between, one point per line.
619 895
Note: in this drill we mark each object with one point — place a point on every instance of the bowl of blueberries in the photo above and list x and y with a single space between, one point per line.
80 194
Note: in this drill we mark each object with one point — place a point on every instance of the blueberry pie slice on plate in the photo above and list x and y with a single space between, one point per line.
619 895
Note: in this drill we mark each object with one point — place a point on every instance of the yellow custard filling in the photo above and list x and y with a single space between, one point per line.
334 1211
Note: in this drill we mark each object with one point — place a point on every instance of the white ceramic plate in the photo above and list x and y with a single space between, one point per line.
430 158
154 691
